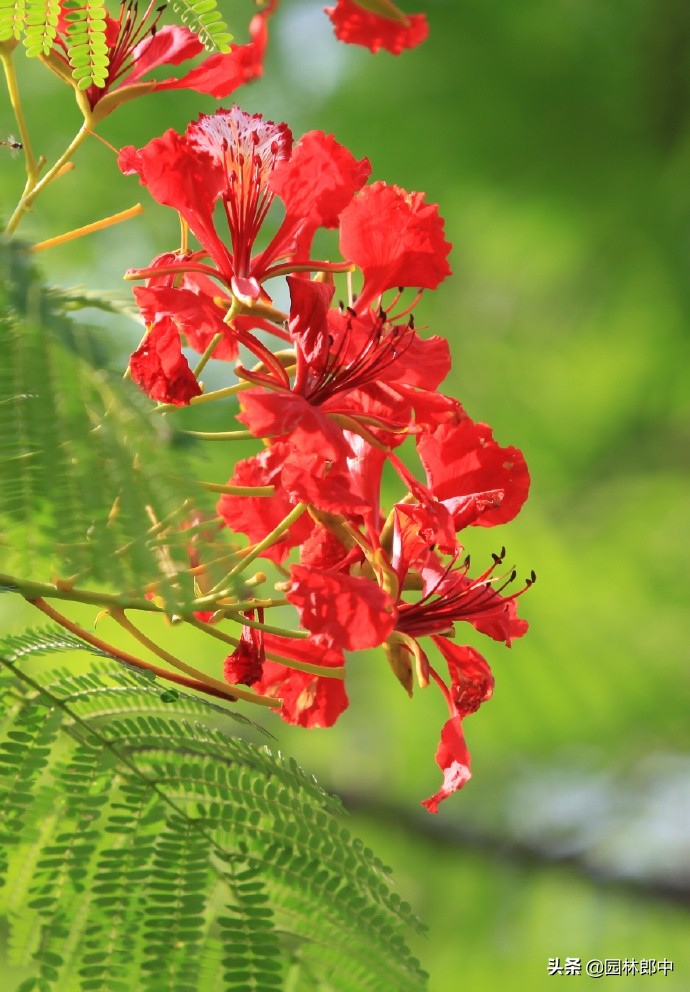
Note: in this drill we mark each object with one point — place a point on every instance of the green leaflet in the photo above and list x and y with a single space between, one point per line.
148 847
84 468
35 22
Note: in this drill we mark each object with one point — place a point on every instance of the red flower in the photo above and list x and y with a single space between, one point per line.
160 369
359 26
308 700
245 665
231 157
395 238
136 46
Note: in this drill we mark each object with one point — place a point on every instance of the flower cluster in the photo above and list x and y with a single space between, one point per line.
332 402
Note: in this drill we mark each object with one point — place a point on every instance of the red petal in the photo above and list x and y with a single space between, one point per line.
285 414
245 665
169 46
160 369
453 758
185 178
308 700
463 459
257 516
395 238
315 185
357 26
309 302
341 611
311 478
196 316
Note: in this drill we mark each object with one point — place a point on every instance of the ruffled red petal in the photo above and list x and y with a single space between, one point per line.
257 516
395 238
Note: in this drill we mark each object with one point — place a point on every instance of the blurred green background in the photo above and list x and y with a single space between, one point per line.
555 135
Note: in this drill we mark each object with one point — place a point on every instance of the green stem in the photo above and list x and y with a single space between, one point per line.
208 353
213 487
37 187
270 539
219 435
207 681
233 614
36 590
13 91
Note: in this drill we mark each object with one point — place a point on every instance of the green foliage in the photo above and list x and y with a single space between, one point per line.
88 482
41 25
36 21
205 20
149 848
87 49
12 19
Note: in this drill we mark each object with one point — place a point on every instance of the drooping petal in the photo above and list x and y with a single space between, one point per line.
357 26
221 74
341 611
472 682
160 369
170 45
395 238
453 758
245 665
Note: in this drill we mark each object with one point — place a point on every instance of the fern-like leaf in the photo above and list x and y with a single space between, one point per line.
87 49
205 20
87 482
42 18
168 855
12 19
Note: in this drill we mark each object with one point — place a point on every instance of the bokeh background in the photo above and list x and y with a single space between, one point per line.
555 135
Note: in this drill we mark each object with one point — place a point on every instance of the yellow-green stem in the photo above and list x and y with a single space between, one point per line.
98 225
270 539
38 187
129 659
213 487
15 100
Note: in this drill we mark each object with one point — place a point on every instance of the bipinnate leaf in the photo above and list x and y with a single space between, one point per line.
149 847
